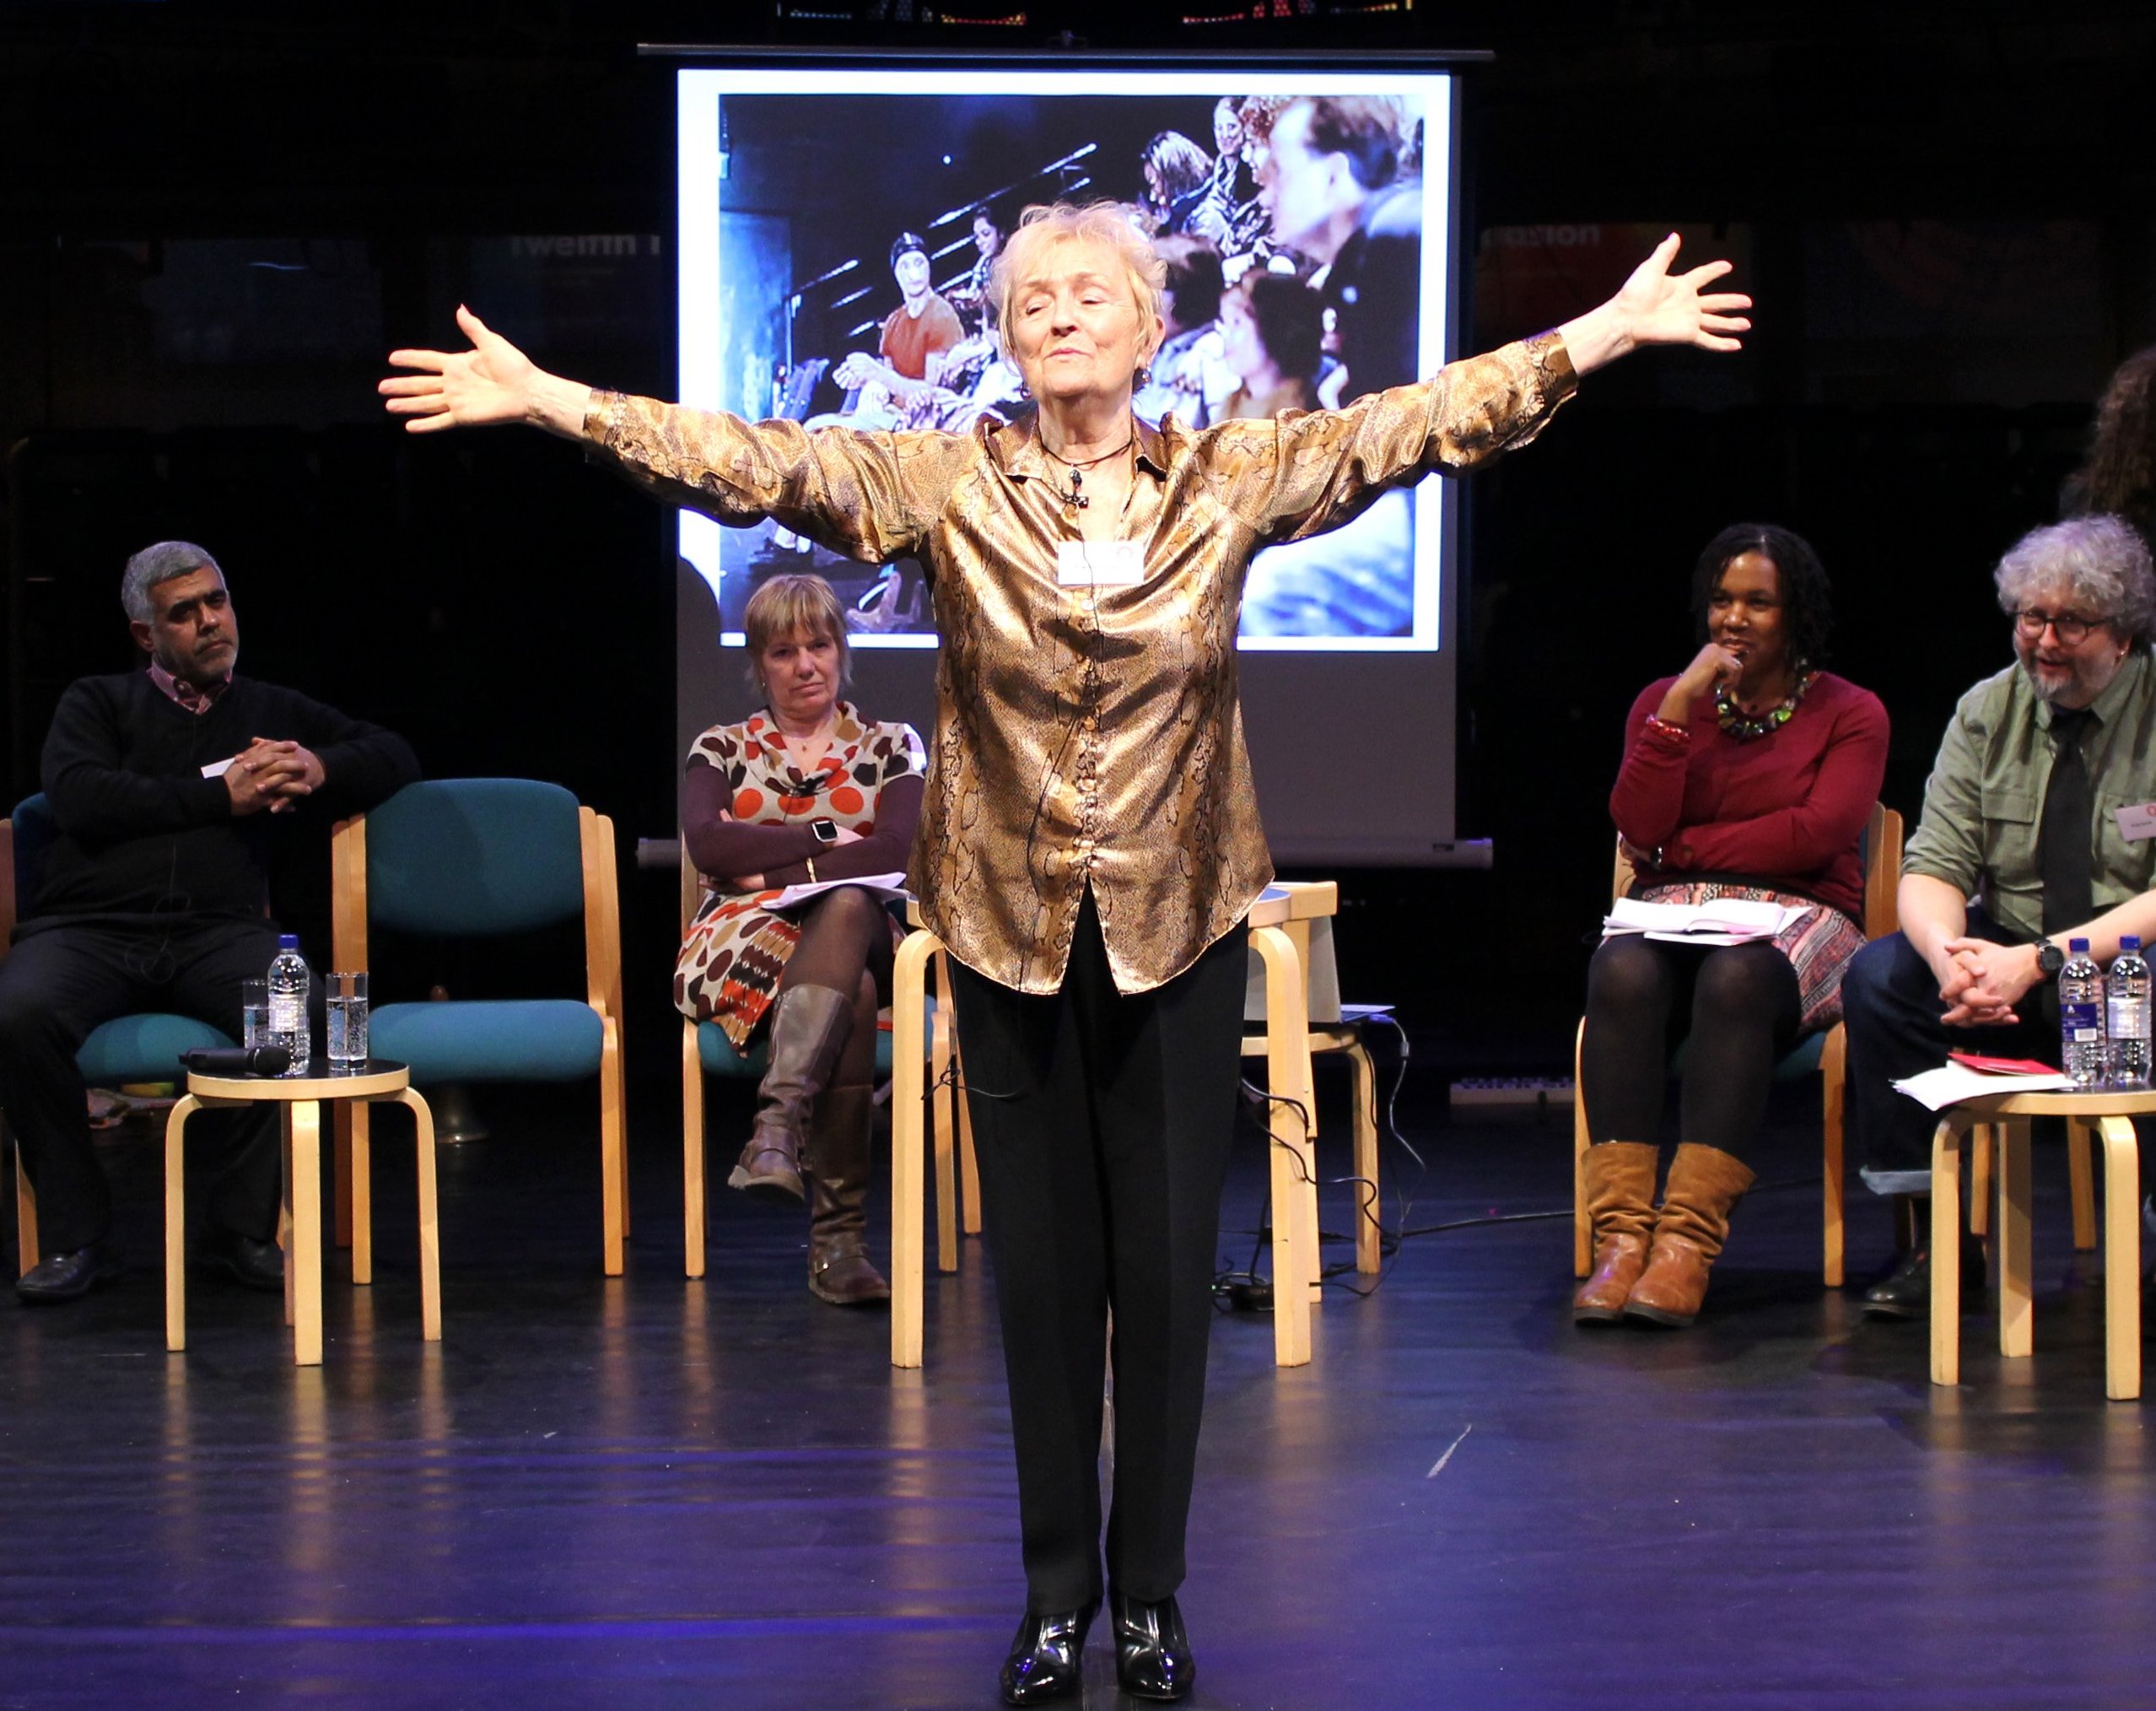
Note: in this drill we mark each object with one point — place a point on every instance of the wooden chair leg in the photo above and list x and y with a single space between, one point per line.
1287 1073
175 1222
946 1167
612 1162
908 1187
1946 1253
342 1116
1362 1085
303 1259
1834 1076
2010 1240
1582 1224
27 1253
1984 1143
430 1225
2079 1174
969 1168
356 1158
693 1206
2122 1259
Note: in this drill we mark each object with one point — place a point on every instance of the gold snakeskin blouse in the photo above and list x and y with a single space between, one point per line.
1087 734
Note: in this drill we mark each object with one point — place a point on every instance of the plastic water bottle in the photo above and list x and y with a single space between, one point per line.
288 982
2126 991
2081 1018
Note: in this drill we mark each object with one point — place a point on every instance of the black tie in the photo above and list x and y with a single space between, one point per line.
2064 835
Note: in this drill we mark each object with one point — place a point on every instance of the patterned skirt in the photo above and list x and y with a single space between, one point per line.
1819 943
731 959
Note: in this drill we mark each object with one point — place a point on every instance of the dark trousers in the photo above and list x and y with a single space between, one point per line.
58 983
1890 1001
1101 1124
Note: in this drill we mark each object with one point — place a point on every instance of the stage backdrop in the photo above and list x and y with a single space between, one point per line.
794 186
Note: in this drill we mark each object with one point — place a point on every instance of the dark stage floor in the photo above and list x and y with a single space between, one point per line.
652 1494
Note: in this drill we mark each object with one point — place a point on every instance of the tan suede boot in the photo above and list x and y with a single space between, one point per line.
839 1271
1621 1201
808 1031
1704 1187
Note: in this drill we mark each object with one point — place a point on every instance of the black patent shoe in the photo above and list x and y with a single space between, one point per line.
1906 1292
68 1276
247 1261
1152 1652
1045 1654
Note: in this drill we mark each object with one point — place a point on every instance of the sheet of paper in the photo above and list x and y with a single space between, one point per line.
1951 1083
1729 920
890 887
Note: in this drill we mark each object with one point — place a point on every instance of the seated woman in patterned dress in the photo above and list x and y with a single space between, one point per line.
805 791
1750 774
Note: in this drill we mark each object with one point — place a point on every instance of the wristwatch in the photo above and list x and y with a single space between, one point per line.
2050 959
826 832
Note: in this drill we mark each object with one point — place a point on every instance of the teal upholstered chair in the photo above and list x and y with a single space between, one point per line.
487 857
707 1052
140 1048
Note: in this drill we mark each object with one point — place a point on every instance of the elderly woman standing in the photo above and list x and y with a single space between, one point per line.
805 780
1089 844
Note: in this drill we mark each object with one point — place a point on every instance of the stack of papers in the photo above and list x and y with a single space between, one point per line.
1965 1076
890 887
1730 920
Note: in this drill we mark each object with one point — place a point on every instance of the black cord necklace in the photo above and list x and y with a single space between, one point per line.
1076 497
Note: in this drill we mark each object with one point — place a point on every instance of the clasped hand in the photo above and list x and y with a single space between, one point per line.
267 777
1983 982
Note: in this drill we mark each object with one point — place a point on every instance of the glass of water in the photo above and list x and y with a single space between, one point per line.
344 1004
254 1013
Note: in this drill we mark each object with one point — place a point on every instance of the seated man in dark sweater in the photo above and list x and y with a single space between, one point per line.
170 788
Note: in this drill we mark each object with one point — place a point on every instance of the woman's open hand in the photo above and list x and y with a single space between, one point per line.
492 382
1655 306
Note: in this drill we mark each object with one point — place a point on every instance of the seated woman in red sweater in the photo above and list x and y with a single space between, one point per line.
1749 774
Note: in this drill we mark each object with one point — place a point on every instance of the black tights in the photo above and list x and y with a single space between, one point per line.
1743 1015
845 947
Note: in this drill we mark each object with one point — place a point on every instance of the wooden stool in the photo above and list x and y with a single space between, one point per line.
302 1098
2007 1115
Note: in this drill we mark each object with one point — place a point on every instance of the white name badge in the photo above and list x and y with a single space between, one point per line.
2137 822
1099 565
217 768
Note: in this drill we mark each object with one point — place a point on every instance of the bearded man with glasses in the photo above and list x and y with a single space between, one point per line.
2023 845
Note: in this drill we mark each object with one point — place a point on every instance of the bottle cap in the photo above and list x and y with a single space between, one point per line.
2128 942
287 941
2078 947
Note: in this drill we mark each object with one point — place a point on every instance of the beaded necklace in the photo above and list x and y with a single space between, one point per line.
1747 728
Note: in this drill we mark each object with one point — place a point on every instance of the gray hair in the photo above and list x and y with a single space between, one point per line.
2101 561
160 564
1045 226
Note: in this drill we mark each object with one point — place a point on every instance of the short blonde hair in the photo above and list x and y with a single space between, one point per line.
794 605
1047 226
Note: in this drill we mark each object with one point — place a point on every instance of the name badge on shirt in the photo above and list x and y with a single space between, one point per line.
2137 822
1098 565
217 768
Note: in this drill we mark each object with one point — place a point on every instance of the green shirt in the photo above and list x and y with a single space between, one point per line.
1983 800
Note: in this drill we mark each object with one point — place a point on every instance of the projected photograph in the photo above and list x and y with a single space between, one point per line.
838 228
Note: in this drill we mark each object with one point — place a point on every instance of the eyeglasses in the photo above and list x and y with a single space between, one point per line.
2071 627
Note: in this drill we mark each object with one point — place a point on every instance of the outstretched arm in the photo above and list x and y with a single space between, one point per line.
492 382
1655 306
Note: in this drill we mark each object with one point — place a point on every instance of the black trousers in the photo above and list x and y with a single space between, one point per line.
1102 1125
59 982
1890 1001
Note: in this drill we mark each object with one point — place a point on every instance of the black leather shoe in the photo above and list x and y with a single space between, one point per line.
1044 1656
1152 1652
68 1276
251 1264
1906 1292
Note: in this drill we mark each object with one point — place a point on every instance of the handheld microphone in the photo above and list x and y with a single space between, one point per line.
238 1060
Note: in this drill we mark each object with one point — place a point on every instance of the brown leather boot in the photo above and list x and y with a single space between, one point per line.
839 1271
1704 1187
1621 1201
808 1031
